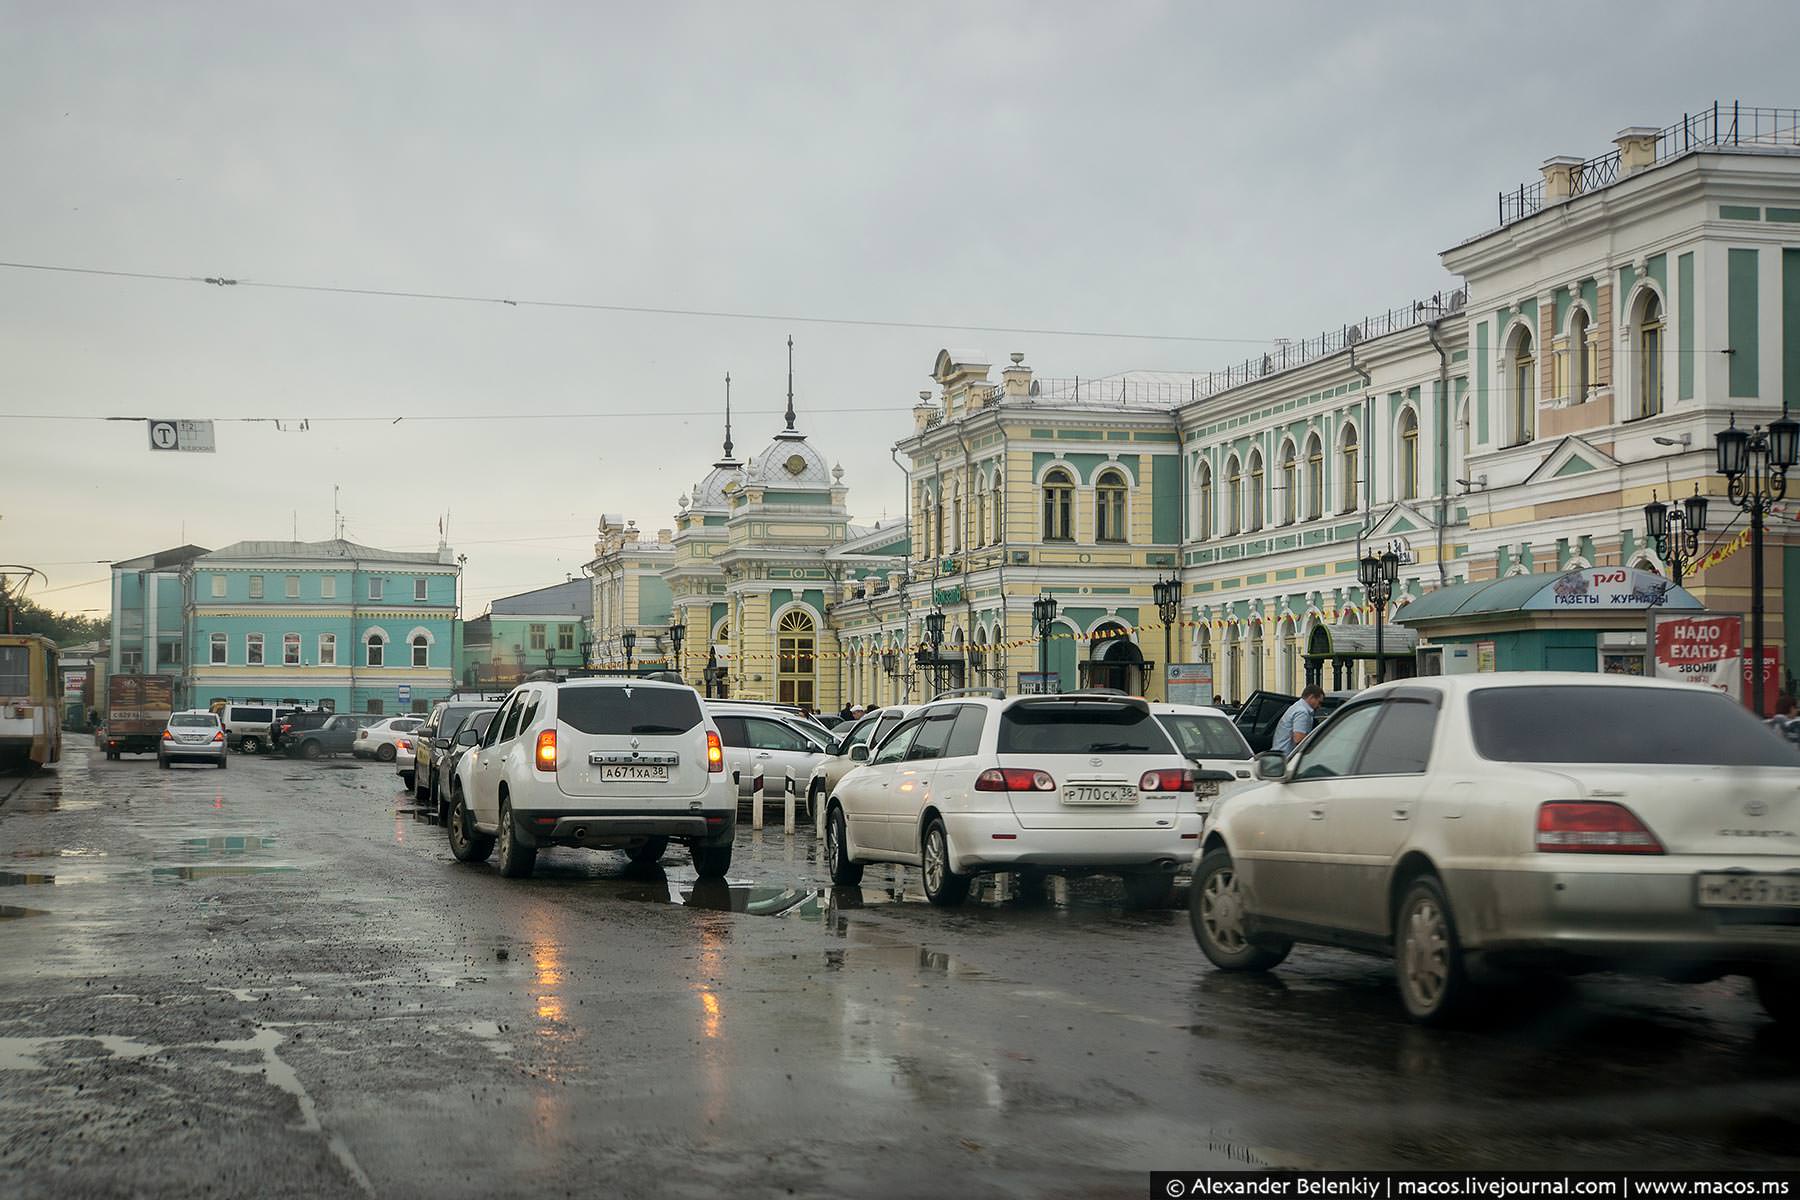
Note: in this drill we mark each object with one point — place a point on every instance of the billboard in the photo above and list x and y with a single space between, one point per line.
1190 683
1705 650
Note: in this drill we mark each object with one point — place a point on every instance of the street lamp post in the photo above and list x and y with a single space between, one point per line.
1378 575
1043 618
1168 607
934 633
677 635
890 664
587 654
1755 466
1676 530
628 639
550 657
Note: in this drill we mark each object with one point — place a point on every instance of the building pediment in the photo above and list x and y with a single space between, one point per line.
1572 456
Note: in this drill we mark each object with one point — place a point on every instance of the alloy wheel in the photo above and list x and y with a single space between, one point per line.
833 848
934 860
1222 910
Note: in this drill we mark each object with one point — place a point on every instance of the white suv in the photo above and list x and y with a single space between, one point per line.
1072 783
627 764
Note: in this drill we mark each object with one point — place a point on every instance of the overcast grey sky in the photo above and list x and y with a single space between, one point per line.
1224 171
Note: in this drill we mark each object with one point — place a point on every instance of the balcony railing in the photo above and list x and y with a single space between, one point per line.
1720 125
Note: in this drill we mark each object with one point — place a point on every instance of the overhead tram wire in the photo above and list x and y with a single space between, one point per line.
648 310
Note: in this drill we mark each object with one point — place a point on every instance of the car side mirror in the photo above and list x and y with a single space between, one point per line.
467 737
1271 766
440 743
859 754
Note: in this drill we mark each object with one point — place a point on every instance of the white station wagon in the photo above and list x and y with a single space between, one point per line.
1551 822
1082 782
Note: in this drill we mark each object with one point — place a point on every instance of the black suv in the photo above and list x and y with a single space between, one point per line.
290 724
335 734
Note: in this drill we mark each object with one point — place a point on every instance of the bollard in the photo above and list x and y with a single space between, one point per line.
746 791
787 788
819 818
756 803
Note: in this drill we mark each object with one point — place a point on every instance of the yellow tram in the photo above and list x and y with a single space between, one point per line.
30 701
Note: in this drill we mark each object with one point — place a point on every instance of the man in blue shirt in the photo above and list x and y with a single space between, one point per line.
1297 721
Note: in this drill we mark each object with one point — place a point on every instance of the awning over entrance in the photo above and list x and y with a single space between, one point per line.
1587 590
1358 642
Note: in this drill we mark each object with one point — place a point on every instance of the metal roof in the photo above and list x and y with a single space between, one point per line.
337 548
573 598
1535 592
1358 641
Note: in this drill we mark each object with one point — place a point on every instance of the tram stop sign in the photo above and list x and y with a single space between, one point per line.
191 436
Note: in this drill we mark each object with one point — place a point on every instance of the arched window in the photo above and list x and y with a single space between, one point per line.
1315 478
1109 508
1350 468
375 650
1059 506
1647 332
1234 496
1290 484
1521 387
981 513
794 650
1254 660
1465 425
937 526
998 507
1256 490
956 518
1203 503
421 651
1582 352
1409 455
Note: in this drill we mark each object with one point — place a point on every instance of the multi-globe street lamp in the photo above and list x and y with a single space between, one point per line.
1043 619
1168 607
677 635
1378 574
1676 530
934 634
628 639
1755 466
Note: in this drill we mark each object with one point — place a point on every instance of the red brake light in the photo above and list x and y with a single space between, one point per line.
1176 779
1592 827
715 753
1014 779
404 744
546 750
219 736
167 736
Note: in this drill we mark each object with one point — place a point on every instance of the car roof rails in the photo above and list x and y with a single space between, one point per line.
992 693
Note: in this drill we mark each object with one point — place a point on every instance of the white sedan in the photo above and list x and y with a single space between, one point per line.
1549 822
387 741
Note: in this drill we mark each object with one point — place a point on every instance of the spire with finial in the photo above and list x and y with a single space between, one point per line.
790 433
728 461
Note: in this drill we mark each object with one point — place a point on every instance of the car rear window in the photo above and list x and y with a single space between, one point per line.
1656 726
193 721
649 710
1199 736
261 716
1074 727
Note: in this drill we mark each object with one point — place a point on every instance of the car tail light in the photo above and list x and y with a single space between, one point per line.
1014 779
1176 779
546 750
219 736
1592 827
403 744
715 753
167 736
287 729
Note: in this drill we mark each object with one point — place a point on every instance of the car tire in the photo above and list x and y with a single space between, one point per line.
943 887
162 762
223 762
466 845
1216 911
711 862
815 796
844 871
1149 889
1779 994
421 787
1428 960
311 749
516 858
651 852
406 778
250 745
384 753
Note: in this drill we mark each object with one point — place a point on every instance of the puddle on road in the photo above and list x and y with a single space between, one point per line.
49 804
64 852
228 845
16 879
9 912
215 871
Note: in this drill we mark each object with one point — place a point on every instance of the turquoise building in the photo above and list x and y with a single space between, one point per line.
149 627
545 627
335 624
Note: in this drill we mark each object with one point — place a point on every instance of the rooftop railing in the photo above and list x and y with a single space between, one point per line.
1720 125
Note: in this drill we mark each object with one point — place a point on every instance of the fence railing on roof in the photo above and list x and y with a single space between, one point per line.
1720 125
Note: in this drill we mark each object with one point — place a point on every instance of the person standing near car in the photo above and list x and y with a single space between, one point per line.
1298 721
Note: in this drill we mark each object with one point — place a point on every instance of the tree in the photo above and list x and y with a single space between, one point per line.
65 629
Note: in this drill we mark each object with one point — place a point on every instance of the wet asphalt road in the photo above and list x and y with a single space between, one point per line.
274 981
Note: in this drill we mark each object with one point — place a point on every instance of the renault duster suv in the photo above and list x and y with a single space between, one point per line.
623 764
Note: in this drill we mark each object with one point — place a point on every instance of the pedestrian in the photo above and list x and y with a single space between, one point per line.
1783 720
1217 699
848 712
1298 720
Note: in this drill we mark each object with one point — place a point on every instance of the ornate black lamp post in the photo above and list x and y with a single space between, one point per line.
1676 530
1755 466
550 657
587 654
1043 617
677 635
934 634
1378 575
712 675
628 639
1168 607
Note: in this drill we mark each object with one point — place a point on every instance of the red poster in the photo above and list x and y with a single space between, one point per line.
1704 650
1771 680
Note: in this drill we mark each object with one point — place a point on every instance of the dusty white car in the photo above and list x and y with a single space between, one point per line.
1075 783
1550 822
382 740
1207 738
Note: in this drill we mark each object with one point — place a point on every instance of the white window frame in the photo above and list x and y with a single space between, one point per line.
293 587
219 648
256 587
419 589
328 649
370 641
375 585
290 641
218 587
420 643
328 587
253 650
